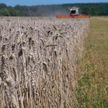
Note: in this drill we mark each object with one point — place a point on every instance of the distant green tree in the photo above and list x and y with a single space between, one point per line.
2 5
4 12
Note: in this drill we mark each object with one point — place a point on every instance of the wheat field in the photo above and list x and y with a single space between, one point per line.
38 61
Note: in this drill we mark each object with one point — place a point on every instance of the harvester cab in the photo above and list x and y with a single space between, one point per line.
74 11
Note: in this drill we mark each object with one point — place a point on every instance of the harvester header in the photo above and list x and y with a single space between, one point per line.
74 13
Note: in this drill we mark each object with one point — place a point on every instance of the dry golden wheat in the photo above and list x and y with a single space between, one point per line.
38 61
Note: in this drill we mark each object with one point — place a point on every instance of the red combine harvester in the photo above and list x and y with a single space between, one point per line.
74 13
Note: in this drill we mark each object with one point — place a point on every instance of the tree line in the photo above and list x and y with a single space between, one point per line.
93 9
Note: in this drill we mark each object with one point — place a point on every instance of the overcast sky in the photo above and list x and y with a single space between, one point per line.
45 2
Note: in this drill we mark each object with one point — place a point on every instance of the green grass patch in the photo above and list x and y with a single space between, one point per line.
8 20
92 88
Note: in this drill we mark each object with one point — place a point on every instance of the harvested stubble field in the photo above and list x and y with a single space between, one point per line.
92 90
38 61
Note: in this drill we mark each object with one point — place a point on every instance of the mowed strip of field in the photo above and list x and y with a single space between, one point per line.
92 89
